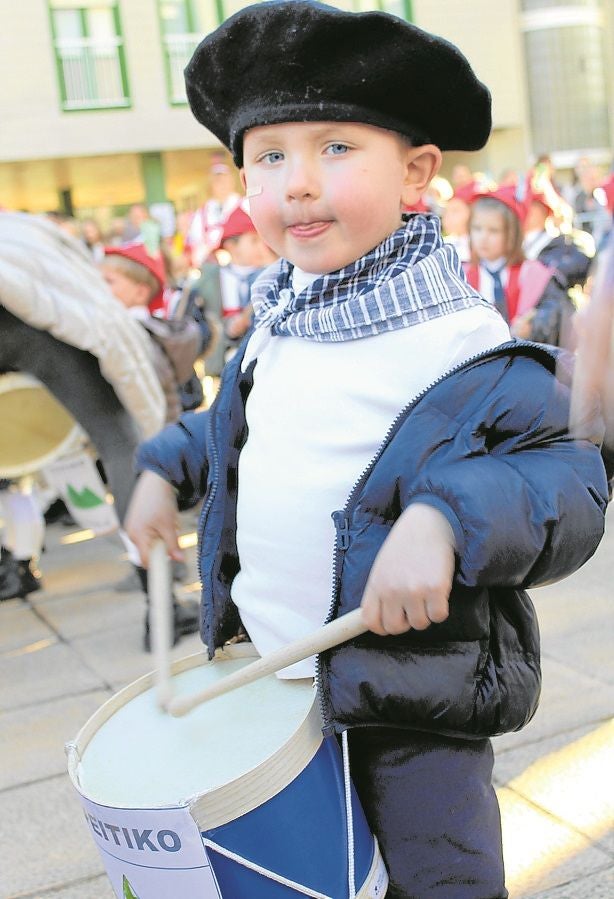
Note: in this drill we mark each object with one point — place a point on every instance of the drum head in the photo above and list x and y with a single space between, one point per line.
138 756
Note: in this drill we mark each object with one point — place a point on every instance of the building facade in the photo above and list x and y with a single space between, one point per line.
93 113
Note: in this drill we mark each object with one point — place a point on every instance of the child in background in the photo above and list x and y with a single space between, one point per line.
203 234
222 293
455 220
522 290
137 280
430 496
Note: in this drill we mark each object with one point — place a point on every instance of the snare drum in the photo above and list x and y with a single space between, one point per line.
242 798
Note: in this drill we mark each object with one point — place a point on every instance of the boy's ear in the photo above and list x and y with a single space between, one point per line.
421 166
243 179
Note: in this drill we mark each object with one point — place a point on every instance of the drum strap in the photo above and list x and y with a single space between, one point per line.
348 814
305 891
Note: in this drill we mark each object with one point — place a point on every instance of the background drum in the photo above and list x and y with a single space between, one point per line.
78 393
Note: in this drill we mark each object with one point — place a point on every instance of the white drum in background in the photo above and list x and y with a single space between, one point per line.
242 798
36 428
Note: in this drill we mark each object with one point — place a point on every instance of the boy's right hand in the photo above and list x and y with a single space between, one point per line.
152 515
411 578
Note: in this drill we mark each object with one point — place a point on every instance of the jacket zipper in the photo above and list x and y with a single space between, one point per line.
207 506
341 517
214 470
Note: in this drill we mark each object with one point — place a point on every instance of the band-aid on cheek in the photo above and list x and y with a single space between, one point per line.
253 191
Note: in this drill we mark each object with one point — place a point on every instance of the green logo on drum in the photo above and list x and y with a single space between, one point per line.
83 499
128 891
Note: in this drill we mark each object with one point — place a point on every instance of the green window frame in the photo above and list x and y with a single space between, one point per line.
178 43
402 8
91 67
183 24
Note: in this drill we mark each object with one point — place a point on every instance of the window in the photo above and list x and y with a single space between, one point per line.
567 88
90 54
183 24
402 8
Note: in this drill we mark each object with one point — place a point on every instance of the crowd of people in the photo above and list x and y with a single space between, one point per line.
528 243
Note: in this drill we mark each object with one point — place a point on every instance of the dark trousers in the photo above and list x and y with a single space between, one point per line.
430 802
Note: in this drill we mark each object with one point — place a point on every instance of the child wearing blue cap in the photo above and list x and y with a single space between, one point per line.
378 440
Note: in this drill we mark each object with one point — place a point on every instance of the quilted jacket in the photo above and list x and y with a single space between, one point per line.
488 446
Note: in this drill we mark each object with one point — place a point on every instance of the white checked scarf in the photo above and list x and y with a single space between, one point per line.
411 277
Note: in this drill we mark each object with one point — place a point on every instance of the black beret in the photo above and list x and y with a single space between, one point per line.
301 61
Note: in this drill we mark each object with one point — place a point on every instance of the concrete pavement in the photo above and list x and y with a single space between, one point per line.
68 648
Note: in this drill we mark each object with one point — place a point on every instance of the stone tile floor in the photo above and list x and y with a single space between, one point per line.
74 644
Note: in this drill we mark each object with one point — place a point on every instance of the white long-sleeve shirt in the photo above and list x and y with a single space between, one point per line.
317 414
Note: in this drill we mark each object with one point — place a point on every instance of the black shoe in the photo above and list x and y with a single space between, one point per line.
17 579
30 578
55 511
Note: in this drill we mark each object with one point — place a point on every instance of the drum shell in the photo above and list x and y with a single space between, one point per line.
299 833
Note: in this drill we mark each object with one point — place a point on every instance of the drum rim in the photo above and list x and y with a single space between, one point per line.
226 802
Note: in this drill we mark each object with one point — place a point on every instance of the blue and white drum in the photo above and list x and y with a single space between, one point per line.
242 798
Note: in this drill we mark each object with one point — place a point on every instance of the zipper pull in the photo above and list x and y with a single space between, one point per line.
342 527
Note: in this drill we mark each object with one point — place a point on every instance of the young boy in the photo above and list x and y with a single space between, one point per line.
375 389
136 279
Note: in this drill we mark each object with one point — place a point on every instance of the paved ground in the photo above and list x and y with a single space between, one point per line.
76 643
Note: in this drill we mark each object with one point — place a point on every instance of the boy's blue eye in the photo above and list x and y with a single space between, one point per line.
337 149
272 157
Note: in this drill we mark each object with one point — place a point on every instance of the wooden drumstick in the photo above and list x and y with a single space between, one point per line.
160 620
338 631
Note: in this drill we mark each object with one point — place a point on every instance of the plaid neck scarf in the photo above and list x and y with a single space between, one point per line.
411 277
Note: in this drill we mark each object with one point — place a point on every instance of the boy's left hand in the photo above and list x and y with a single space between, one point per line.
411 578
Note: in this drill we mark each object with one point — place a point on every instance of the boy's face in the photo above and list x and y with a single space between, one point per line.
128 292
322 194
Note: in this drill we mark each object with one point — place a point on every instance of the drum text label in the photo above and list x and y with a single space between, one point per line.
133 838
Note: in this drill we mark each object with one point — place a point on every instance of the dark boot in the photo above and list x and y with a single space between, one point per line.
186 616
17 578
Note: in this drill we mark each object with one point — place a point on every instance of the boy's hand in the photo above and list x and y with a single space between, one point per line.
411 578
152 515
